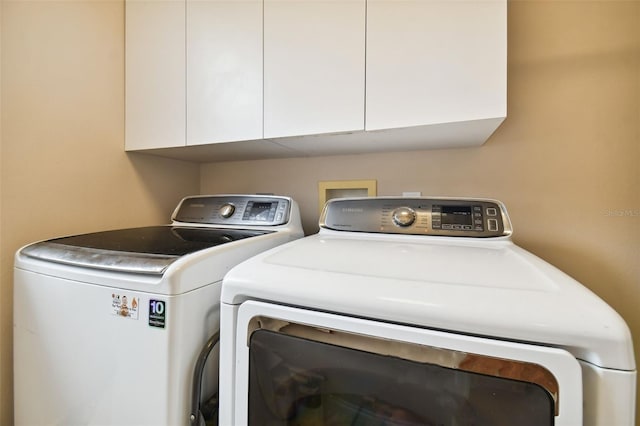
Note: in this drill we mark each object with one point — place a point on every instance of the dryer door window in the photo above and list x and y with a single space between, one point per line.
300 381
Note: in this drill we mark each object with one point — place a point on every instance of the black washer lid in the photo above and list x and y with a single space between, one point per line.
148 250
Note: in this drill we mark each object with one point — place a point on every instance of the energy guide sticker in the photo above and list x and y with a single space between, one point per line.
125 306
157 313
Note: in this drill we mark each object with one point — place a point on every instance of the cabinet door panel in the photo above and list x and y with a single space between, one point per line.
155 74
313 66
435 61
224 71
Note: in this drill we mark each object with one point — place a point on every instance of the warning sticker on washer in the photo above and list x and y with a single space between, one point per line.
125 306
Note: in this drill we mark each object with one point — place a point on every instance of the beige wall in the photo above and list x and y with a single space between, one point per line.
5 359
63 167
566 161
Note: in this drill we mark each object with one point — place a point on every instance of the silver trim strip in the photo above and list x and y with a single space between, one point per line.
137 263
205 209
376 215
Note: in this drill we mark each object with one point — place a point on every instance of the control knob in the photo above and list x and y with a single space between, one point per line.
226 211
403 216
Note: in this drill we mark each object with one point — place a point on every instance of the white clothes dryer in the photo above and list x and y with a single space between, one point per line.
418 311
108 326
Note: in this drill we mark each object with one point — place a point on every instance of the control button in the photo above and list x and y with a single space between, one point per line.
403 216
492 224
491 211
477 208
226 211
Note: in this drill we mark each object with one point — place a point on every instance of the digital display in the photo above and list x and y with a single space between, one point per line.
457 215
260 211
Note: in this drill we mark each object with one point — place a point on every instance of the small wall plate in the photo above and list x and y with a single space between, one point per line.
330 189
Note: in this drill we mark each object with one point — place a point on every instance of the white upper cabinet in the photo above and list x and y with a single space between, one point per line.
436 61
193 72
155 74
357 75
224 71
314 66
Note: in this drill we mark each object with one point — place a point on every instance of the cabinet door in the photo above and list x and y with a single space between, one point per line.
313 66
224 71
155 74
436 61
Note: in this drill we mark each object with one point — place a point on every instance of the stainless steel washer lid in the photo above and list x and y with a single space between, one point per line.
148 250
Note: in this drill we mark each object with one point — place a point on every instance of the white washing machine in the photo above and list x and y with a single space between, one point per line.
418 311
108 326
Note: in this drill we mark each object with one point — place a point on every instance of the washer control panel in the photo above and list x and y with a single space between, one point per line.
453 217
257 210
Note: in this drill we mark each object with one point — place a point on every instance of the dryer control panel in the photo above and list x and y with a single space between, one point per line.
452 217
243 210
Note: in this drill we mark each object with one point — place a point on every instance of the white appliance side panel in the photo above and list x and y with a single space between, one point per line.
77 361
560 363
435 62
314 67
224 71
611 395
155 74
228 362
